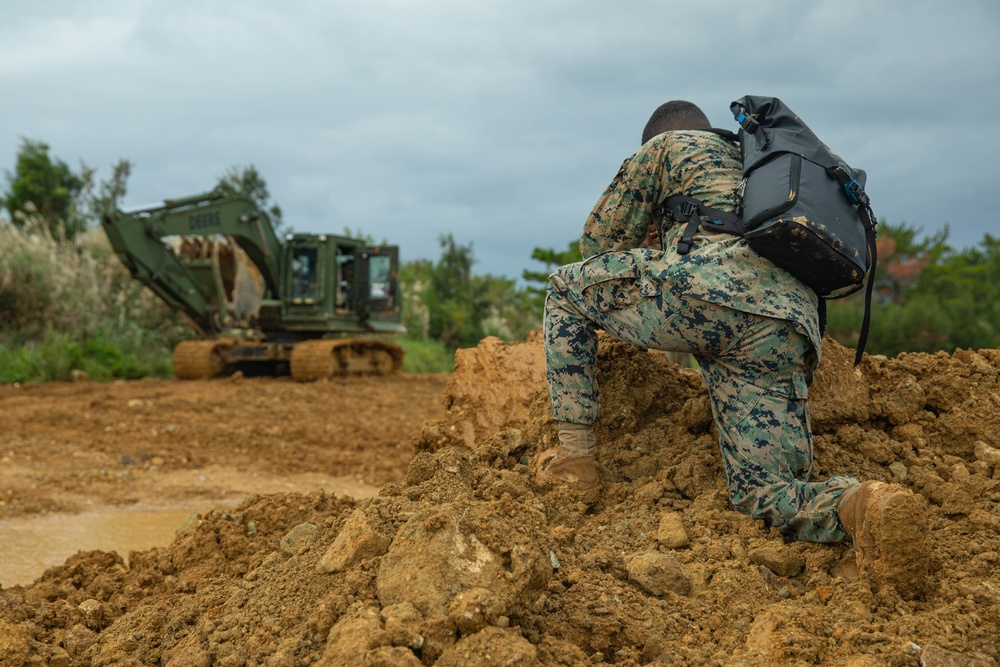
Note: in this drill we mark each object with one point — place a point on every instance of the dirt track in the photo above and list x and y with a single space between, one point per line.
461 559
80 446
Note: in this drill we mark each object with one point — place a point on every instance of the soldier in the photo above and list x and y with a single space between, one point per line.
753 329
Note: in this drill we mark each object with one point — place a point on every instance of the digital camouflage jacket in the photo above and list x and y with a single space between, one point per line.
720 268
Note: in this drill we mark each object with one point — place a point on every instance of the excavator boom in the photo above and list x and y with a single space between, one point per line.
138 237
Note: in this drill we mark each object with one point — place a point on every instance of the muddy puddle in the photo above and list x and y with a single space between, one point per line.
31 545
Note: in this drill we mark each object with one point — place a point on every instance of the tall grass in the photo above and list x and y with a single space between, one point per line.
426 356
69 306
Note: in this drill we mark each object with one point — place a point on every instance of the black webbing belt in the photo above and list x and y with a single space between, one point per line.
694 214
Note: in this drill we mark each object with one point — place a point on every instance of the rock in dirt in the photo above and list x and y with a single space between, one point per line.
659 573
671 532
298 539
935 656
905 401
445 549
491 389
844 393
403 625
391 656
491 647
77 641
778 559
988 455
472 610
15 644
352 638
356 541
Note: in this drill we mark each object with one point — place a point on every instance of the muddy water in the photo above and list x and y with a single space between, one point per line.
29 546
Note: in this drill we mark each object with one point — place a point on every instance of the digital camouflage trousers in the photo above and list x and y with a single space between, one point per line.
756 369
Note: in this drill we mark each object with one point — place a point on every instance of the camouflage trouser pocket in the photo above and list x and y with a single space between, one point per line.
612 281
796 388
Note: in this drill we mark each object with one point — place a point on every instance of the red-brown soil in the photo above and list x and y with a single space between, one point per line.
460 558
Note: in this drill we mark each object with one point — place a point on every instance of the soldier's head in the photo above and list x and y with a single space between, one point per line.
675 115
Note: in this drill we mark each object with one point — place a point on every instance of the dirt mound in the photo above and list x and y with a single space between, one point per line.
466 561
492 389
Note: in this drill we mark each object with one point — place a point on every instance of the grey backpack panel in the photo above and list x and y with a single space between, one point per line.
802 205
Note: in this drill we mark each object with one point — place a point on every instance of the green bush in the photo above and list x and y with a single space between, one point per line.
69 305
58 357
426 356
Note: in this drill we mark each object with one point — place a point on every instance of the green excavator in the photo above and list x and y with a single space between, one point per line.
309 305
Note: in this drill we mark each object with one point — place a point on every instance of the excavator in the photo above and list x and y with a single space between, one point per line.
310 305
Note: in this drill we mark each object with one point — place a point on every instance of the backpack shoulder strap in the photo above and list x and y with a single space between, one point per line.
728 135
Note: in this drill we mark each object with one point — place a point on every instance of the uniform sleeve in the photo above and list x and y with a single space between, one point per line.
619 219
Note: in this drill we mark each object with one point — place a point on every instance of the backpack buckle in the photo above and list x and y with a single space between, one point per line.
738 194
687 209
856 193
747 121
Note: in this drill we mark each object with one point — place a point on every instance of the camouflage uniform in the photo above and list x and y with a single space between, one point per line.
752 327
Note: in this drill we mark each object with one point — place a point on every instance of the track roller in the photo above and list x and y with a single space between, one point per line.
199 359
318 359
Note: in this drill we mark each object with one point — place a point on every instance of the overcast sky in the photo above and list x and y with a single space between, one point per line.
497 121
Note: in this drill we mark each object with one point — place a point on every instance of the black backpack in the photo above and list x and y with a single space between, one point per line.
799 205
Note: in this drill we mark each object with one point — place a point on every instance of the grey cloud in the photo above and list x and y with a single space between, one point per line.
497 121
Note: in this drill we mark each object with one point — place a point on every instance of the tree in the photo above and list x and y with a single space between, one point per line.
931 297
445 301
455 311
535 294
248 181
964 286
105 198
46 186
902 259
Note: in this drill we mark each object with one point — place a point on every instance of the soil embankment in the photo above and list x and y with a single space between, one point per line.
461 559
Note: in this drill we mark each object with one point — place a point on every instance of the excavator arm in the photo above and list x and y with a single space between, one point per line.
138 237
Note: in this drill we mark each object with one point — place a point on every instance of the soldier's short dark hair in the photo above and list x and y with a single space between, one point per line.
675 115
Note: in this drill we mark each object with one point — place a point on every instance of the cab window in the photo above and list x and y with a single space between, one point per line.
304 280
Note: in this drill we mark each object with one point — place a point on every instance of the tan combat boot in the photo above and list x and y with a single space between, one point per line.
888 525
572 463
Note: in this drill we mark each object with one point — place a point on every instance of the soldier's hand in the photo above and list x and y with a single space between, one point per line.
652 239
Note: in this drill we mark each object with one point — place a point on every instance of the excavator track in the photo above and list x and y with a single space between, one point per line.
318 359
199 359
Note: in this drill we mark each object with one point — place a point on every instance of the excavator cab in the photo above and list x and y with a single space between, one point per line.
333 279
